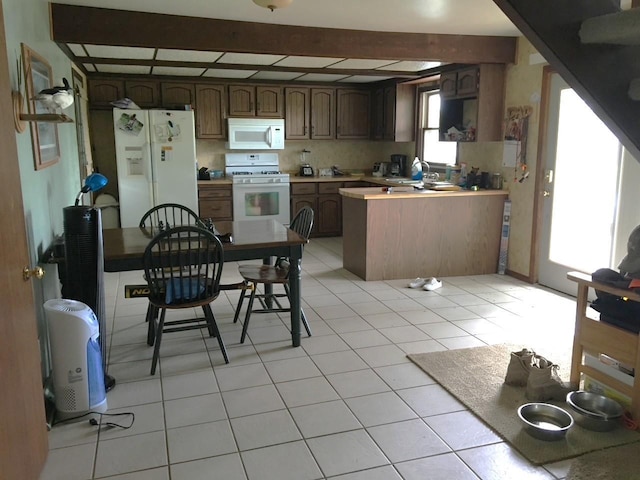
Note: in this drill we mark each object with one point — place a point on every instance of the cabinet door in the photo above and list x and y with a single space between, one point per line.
300 201
242 100
389 116
329 215
353 113
210 111
323 113
269 102
146 94
103 92
377 114
467 84
448 84
296 119
215 202
177 95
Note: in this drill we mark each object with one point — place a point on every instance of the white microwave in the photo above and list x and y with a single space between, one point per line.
256 134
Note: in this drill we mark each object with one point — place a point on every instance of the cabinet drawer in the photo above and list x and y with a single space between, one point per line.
215 209
303 188
207 192
324 188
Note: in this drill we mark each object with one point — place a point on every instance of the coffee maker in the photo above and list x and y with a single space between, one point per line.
398 167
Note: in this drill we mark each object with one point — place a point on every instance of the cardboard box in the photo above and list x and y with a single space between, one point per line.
594 386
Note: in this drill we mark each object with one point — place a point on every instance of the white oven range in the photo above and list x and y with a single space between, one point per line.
259 189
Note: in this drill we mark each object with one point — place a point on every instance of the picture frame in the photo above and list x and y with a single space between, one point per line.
44 135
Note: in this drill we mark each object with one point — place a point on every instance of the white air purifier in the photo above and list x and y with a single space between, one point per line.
76 360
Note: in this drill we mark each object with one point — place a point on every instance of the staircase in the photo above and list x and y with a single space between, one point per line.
595 47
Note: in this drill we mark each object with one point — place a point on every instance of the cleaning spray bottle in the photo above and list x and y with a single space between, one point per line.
416 169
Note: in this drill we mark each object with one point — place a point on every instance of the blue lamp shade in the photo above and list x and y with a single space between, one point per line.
93 183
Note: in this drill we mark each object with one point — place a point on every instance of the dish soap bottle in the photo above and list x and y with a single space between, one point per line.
416 169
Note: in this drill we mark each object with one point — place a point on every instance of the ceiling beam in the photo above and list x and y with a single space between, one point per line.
101 26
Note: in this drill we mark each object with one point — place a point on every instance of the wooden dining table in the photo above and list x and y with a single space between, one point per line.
251 240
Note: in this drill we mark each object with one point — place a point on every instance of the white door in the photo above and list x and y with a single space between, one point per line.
581 184
131 129
173 153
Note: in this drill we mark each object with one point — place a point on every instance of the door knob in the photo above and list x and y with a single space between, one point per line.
37 272
546 193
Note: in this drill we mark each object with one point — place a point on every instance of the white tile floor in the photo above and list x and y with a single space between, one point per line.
347 404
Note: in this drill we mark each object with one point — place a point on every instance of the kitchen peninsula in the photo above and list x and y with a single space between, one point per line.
421 233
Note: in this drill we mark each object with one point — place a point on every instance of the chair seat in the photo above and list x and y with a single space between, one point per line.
264 274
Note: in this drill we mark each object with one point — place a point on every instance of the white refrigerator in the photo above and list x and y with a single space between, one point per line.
156 161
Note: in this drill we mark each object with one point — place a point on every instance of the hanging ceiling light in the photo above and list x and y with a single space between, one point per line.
273 4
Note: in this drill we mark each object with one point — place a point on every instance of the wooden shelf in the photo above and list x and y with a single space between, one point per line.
46 117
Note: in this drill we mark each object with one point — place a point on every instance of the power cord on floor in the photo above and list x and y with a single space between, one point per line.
99 423
628 421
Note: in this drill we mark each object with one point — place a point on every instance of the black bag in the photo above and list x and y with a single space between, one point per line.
619 312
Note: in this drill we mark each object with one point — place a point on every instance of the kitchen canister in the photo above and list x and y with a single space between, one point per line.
496 181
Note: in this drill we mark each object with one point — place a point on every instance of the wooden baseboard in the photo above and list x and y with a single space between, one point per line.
518 276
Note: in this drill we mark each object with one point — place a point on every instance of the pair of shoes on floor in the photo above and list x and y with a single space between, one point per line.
538 375
426 283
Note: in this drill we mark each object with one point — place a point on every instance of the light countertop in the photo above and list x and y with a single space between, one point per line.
377 193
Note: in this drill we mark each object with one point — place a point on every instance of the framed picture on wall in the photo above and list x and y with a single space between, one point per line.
44 135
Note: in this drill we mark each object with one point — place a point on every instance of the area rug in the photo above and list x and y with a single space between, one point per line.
617 463
475 376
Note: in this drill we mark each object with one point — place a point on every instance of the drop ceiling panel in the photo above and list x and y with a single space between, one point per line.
277 75
321 77
250 58
361 63
77 49
363 79
133 69
108 51
187 55
409 66
307 62
183 71
89 67
220 73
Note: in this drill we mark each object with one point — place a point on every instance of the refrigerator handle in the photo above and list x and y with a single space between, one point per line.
151 176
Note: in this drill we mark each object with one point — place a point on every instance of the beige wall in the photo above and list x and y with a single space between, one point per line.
523 87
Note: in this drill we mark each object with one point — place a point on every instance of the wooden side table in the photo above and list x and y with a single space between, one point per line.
596 337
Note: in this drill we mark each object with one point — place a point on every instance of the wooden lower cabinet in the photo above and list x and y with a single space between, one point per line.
215 202
326 202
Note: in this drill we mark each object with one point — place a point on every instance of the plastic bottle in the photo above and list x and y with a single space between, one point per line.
416 169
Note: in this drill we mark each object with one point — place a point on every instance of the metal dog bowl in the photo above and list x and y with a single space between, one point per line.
595 412
545 421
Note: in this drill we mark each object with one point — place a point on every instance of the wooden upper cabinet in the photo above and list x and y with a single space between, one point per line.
393 113
145 93
323 113
103 92
269 101
211 111
297 116
477 108
252 101
353 113
177 95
